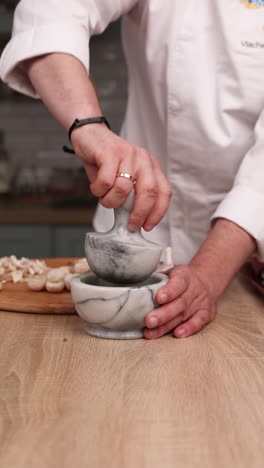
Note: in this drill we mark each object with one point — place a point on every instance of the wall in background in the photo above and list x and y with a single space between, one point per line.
31 131
29 127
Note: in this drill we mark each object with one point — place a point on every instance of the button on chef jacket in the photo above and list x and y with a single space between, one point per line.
196 99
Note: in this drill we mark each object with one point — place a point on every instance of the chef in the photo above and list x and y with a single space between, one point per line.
192 142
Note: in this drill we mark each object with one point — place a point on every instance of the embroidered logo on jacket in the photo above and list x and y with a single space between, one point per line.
253 3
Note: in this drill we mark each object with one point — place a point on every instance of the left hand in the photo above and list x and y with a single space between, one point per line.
186 305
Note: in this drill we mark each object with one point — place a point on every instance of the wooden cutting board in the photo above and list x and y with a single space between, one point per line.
19 298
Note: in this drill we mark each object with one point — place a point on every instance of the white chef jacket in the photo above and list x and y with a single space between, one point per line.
196 99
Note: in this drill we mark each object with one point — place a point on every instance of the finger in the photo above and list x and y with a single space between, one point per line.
162 200
122 186
175 287
165 313
145 193
117 194
193 325
160 331
105 177
168 311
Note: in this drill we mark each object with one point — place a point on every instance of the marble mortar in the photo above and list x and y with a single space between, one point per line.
113 311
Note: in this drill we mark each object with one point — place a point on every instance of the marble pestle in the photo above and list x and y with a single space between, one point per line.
120 256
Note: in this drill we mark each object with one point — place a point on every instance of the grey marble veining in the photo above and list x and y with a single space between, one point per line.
116 260
113 311
120 256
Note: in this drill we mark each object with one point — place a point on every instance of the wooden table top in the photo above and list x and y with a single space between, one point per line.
69 400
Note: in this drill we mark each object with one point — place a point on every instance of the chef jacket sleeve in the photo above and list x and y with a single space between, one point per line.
244 204
43 27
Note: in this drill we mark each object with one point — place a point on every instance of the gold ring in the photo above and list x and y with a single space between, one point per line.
126 175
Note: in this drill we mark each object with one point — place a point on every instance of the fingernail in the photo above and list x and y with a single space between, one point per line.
181 332
132 228
163 297
148 227
153 322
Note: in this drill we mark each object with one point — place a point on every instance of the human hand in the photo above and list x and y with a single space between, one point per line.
104 155
186 305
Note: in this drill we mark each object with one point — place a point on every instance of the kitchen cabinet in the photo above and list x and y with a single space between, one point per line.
42 240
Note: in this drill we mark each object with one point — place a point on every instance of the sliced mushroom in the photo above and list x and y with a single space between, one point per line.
55 287
81 266
55 275
37 283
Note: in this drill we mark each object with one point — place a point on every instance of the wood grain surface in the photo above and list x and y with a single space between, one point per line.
19 298
69 400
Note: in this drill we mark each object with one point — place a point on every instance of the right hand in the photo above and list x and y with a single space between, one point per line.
104 155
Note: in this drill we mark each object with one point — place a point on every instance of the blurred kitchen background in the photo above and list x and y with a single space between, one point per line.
45 203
